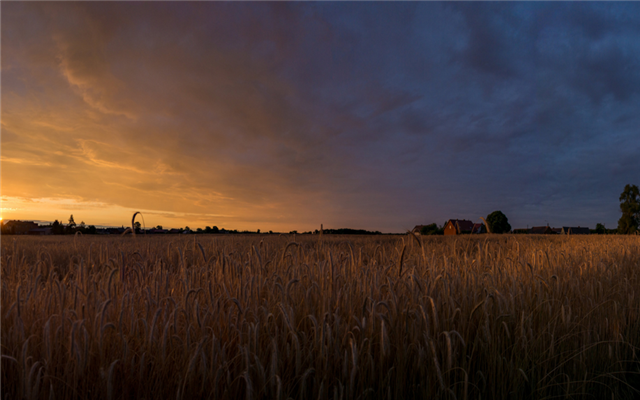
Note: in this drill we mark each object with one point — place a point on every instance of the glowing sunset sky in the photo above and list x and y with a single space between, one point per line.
282 116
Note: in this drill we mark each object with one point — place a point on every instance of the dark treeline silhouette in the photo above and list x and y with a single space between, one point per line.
347 231
54 228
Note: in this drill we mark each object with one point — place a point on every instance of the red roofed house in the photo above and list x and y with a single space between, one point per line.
479 228
458 226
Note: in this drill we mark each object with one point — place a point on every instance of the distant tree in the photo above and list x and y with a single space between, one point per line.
630 207
431 229
207 229
215 229
159 227
258 231
498 222
199 230
57 228
600 229
71 228
91 230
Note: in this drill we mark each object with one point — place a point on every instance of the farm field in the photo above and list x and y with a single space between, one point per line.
320 317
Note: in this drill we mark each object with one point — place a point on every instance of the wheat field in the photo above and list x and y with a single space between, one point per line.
320 317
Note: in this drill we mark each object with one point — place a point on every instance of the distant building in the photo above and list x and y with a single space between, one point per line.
157 231
18 227
568 230
174 230
40 231
541 230
458 226
479 228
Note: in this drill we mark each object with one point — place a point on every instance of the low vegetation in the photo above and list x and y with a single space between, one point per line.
320 317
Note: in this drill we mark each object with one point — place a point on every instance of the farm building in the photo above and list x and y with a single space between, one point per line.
479 228
541 230
40 231
157 231
458 226
568 230
18 227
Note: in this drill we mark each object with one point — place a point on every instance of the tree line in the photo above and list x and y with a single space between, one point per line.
497 222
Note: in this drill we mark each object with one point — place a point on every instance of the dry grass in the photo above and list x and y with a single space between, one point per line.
229 317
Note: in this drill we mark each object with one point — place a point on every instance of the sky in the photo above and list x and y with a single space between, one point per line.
283 116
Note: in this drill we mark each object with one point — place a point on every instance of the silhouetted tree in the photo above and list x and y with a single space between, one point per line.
57 228
600 229
81 228
630 207
498 222
71 228
431 229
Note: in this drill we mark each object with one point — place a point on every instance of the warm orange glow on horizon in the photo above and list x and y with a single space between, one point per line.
257 116
97 213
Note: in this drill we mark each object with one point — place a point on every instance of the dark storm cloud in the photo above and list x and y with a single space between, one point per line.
375 115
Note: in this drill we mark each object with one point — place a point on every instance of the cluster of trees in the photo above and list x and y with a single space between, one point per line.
58 228
432 229
498 222
215 229
346 231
